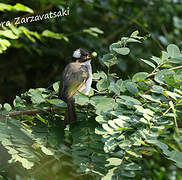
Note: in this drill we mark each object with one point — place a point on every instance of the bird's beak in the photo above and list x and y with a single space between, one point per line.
87 57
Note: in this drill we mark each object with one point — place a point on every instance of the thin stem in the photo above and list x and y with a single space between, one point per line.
154 73
177 129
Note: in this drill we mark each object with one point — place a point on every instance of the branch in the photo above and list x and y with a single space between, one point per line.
154 73
29 112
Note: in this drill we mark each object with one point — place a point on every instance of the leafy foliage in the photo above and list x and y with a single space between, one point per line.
121 125
127 126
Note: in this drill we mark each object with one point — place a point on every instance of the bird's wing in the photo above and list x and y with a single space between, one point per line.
74 78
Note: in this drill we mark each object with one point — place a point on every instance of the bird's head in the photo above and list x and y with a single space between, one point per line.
81 55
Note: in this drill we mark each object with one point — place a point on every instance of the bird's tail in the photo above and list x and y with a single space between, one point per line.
70 115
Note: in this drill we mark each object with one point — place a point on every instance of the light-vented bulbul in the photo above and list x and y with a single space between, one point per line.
77 77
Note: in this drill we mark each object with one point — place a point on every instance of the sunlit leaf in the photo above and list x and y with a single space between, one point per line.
173 51
122 51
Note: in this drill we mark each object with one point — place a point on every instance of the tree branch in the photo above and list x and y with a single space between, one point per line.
29 112
154 73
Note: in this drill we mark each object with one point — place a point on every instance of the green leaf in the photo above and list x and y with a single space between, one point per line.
97 30
90 32
173 51
176 156
149 63
122 51
121 122
81 99
5 7
8 34
102 84
60 36
128 174
112 124
29 34
161 145
114 45
102 103
17 7
144 110
100 119
121 84
157 60
132 167
151 98
131 87
134 34
176 60
109 174
135 154
56 86
41 119
7 107
172 95
25 163
114 161
165 56
110 60
47 151
93 31
157 89
125 40
98 75
56 102
107 128
18 102
130 100
141 76
37 98
21 7
4 44
114 88
160 76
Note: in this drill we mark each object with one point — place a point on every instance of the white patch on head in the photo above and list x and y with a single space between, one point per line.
77 53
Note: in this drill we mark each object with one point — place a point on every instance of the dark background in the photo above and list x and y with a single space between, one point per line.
26 64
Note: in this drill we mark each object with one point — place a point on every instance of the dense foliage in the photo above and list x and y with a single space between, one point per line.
119 126
129 127
33 54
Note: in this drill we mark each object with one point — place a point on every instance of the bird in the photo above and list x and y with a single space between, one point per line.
76 77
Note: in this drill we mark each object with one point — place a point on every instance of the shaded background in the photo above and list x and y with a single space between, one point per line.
28 64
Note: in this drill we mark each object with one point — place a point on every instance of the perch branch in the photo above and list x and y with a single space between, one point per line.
30 112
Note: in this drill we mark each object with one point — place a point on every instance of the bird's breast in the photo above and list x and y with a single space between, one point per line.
88 82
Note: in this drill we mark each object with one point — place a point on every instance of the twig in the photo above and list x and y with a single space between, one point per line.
154 73
177 129
166 111
29 112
